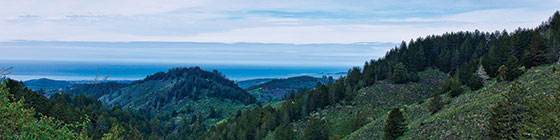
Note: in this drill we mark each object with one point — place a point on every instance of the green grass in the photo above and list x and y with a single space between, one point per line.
375 101
465 116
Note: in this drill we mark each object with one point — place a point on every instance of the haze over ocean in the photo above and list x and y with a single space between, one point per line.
135 60
26 70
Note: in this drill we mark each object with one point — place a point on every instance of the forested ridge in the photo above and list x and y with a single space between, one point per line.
276 89
145 109
470 58
492 85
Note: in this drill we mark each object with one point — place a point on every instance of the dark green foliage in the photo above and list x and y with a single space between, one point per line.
455 86
195 80
46 84
212 113
277 88
18 122
354 77
32 99
460 54
400 74
395 126
95 90
357 120
510 71
314 130
81 108
537 53
506 116
544 113
435 104
285 132
369 73
291 83
468 76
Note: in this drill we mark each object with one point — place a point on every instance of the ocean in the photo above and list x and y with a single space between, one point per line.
61 70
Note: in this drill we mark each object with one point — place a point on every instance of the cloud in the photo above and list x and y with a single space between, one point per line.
267 21
196 53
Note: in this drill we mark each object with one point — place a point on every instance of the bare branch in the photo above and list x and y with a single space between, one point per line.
4 72
95 80
106 77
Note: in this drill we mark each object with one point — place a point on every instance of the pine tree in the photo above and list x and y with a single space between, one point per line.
506 116
512 69
400 74
285 132
435 104
395 126
537 53
315 130
116 133
455 87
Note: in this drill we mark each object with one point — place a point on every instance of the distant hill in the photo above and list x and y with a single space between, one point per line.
251 82
51 86
275 89
47 84
174 95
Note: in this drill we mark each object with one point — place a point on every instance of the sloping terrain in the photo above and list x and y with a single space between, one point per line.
465 116
46 84
251 82
275 89
374 101
174 95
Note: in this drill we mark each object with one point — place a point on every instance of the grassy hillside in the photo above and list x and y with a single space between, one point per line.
180 93
465 116
275 89
373 102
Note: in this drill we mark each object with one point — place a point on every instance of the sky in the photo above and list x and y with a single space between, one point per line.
262 21
244 32
193 53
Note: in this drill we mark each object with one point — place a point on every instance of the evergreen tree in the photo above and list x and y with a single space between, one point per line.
18 122
369 73
506 116
542 120
400 74
285 132
117 132
537 53
455 86
315 130
353 76
212 113
512 69
395 126
435 104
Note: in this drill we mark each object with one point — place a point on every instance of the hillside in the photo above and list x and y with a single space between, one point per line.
275 89
373 102
47 84
177 94
251 82
459 85
466 116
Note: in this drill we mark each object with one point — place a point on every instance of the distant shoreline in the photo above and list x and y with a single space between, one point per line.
70 71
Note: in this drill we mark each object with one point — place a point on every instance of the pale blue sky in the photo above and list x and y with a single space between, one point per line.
311 32
264 21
